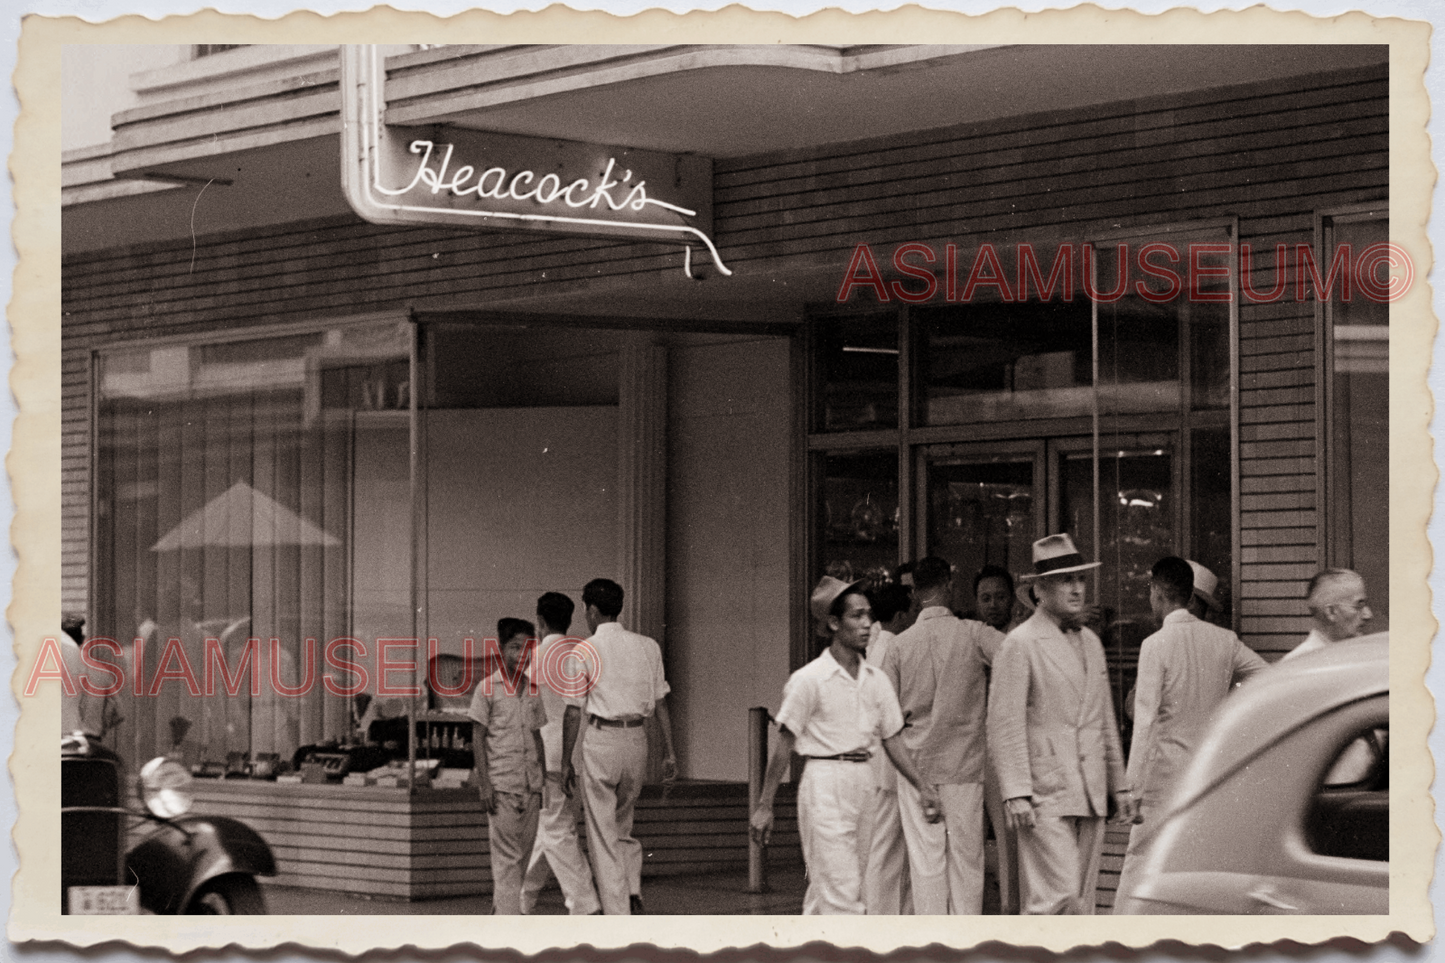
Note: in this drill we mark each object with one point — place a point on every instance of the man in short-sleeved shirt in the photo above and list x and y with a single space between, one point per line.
557 844
836 711
507 719
624 684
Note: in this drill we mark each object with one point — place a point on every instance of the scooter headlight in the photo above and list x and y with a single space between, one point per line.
165 787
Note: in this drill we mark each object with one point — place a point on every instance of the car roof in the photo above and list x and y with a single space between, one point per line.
1282 698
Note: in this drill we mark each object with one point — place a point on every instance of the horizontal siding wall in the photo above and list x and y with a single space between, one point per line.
384 842
1280 523
1270 154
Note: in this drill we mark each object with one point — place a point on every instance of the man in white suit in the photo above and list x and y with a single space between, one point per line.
1185 670
1053 739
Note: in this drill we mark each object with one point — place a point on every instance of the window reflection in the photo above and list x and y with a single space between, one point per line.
227 475
858 371
860 515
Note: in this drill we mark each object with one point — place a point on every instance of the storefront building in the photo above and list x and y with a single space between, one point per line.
948 327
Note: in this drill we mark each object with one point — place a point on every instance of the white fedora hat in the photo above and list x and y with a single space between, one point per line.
1055 555
1205 582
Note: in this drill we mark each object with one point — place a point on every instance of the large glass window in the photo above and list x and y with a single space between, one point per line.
1358 379
857 369
1106 418
859 515
246 491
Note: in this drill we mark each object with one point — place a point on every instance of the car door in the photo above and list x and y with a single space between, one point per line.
1333 855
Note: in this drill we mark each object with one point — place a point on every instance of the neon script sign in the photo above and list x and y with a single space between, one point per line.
536 189
466 178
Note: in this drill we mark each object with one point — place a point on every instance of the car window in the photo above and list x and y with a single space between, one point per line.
1349 815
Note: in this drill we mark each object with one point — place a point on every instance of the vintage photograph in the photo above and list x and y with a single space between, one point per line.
725 479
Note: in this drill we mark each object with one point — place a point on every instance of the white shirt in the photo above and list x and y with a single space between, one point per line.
885 775
623 672
829 712
553 703
1313 642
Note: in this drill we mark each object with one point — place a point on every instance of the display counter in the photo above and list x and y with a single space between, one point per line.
430 843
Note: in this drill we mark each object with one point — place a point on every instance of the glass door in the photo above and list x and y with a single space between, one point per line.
1137 512
983 506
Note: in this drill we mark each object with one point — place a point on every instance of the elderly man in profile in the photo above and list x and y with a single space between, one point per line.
1053 739
1338 609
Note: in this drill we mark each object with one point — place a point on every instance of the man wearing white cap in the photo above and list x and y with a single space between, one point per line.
1202 601
836 711
1185 671
1053 739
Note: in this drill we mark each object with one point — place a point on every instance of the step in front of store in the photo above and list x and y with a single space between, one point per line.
433 842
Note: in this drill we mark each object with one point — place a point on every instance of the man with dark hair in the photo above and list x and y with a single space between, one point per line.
993 597
1053 739
835 712
1185 670
557 843
938 668
507 719
622 675
886 887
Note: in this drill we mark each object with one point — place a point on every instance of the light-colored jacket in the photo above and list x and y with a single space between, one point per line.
938 668
1051 729
1185 671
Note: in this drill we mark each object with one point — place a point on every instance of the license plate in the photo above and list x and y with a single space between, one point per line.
104 900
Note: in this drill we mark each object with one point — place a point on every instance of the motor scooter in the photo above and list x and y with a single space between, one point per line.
185 865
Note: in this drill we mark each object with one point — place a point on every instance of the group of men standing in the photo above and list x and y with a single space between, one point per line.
533 830
1036 746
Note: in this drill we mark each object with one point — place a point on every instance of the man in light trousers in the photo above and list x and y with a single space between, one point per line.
622 673
557 845
938 668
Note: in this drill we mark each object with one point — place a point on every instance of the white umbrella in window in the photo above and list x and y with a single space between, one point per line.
242 517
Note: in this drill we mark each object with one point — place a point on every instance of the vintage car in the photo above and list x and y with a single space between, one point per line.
185 864
1286 806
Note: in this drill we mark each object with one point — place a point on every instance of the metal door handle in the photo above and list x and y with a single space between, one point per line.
1266 895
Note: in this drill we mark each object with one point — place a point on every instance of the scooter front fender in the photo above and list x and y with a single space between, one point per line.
184 854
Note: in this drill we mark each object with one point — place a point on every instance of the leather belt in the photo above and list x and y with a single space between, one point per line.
861 755
602 723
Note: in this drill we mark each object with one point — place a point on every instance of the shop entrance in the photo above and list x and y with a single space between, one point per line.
986 503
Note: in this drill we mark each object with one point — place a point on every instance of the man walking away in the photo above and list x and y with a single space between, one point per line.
939 670
557 843
1185 671
622 673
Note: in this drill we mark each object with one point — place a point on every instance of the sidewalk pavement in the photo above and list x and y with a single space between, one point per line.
717 894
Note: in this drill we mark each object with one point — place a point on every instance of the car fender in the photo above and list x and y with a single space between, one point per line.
171 865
